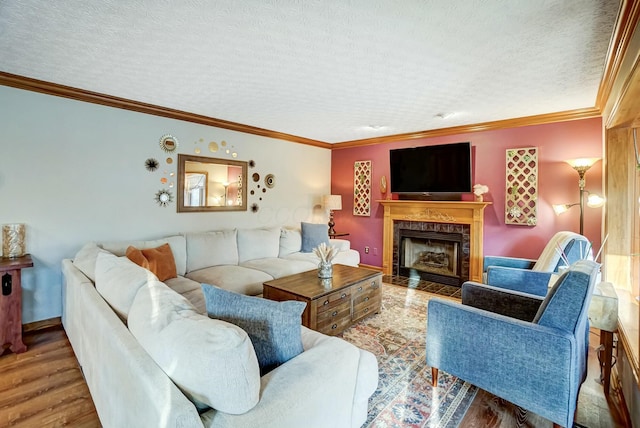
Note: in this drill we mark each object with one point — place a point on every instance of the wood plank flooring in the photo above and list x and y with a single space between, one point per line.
44 387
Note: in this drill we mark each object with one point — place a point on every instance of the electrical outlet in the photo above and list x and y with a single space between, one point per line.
366 250
375 251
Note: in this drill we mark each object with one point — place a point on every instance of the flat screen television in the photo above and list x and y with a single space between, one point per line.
443 169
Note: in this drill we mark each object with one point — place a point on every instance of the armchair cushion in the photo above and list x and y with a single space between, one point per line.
524 280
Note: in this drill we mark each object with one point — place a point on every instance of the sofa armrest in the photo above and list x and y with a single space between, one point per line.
524 280
315 389
498 300
510 358
514 262
340 244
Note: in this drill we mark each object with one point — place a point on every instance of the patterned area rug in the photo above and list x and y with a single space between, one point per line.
405 398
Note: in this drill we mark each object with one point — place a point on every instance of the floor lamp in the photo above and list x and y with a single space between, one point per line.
581 165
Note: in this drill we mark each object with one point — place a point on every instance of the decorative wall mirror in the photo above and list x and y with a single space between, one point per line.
211 184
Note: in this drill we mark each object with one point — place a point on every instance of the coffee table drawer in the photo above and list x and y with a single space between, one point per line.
367 306
334 320
332 300
367 287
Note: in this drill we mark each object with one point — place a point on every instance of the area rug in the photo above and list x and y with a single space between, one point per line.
404 397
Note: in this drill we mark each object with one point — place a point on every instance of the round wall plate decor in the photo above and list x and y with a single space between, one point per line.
168 143
270 181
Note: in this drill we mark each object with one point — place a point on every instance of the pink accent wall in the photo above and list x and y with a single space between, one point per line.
557 182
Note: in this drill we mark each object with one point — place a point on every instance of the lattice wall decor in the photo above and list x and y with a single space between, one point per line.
362 188
521 197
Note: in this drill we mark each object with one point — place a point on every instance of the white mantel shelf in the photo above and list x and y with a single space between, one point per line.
450 212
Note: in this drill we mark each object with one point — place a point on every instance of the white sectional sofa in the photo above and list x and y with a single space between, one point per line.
150 375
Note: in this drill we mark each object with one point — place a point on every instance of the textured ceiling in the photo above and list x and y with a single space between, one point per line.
328 70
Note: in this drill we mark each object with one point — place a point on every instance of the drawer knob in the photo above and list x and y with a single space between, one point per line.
366 310
334 313
360 288
343 295
333 327
374 284
326 302
366 299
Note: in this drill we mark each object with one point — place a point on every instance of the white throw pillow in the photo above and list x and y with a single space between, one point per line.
212 361
118 280
258 243
290 242
205 249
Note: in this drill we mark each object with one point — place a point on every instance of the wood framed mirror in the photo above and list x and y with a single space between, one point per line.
211 184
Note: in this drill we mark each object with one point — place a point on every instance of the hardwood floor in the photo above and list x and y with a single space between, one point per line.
44 387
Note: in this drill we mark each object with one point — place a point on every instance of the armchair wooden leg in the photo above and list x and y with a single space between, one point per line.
434 376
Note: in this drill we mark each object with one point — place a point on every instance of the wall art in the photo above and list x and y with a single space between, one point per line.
521 198
362 188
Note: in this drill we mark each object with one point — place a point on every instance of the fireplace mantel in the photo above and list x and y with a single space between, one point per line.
450 212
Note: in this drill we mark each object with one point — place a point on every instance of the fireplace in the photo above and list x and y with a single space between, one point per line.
432 256
456 217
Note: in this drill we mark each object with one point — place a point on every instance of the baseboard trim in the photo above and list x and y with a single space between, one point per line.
41 325
378 268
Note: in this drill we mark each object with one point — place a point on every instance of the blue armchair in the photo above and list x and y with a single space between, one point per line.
532 276
536 360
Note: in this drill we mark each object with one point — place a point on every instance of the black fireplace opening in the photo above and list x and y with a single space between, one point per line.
431 256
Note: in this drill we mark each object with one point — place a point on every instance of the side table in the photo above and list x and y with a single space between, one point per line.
11 302
603 314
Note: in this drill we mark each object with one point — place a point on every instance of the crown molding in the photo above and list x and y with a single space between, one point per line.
564 116
29 84
628 17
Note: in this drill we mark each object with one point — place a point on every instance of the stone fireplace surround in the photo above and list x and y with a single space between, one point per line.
449 213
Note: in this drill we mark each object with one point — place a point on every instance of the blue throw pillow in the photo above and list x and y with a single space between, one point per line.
273 327
313 235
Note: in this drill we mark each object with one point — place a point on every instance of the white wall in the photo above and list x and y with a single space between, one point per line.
74 172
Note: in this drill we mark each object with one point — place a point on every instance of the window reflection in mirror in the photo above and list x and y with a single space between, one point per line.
211 184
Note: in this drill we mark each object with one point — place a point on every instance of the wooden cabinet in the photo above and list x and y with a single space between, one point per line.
355 293
11 302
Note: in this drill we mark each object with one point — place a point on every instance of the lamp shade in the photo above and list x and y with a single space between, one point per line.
584 163
332 202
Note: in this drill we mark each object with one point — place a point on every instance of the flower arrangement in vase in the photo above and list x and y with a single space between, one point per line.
326 253
479 190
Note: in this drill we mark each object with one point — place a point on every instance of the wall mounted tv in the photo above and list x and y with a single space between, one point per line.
440 169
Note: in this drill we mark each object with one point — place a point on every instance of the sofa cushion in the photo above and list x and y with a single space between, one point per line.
177 243
274 327
290 241
190 289
258 243
240 279
212 361
213 248
313 235
85 259
118 280
158 260
277 267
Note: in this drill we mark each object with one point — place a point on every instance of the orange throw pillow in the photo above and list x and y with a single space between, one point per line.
158 260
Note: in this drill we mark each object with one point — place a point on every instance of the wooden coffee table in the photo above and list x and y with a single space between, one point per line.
332 305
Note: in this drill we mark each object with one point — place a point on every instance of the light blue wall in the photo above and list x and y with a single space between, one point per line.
74 172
